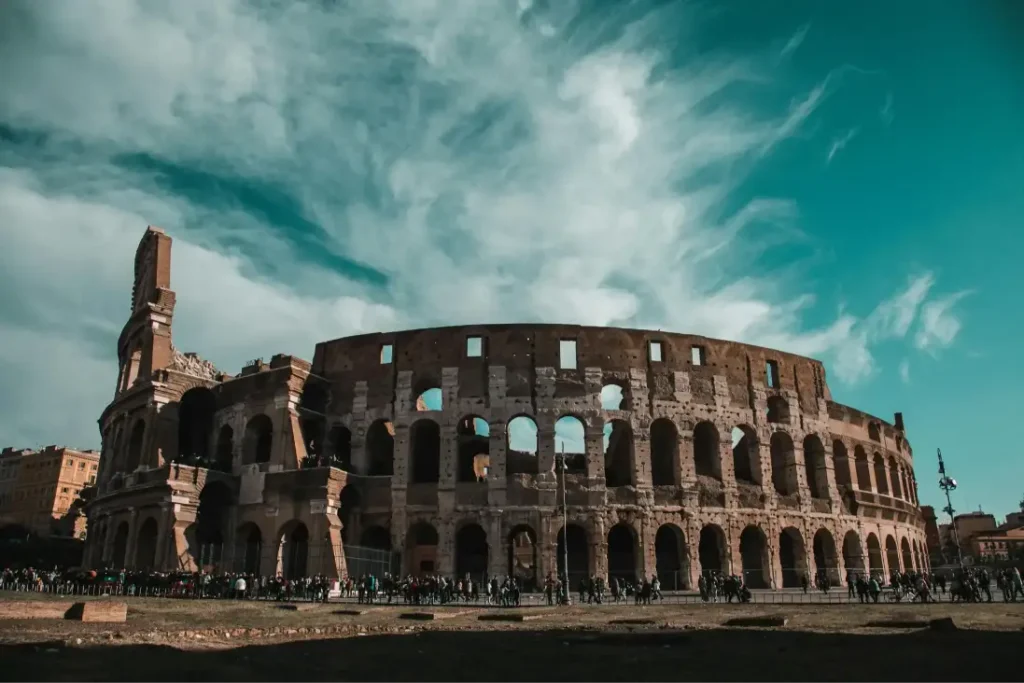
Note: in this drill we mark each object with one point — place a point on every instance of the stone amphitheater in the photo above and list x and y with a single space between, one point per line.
451 450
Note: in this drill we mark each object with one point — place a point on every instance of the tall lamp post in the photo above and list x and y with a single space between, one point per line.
948 485
565 523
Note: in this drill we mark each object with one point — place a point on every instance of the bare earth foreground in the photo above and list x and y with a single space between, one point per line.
221 640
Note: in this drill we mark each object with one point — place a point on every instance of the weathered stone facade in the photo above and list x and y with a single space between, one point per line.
720 456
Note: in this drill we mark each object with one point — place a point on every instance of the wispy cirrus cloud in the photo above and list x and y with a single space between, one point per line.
905 371
326 171
839 143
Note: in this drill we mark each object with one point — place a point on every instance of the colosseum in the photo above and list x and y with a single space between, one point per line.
451 451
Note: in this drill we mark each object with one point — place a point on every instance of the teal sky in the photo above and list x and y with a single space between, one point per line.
841 182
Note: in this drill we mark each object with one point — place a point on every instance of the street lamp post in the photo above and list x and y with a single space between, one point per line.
948 485
565 524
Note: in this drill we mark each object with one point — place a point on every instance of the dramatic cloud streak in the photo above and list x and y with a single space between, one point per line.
396 163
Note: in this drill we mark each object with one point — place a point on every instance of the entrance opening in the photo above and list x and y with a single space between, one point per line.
380 448
792 557
471 552
783 464
474 438
421 549
874 556
571 440
670 558
215 502
892 554
295 550
707 458
579 554
622 553
339 445
815 468
618 454
825 560
746 455
711 550
521 450
522 556
196 409
145 546
853 556
250 544
259 439
754 553
225 449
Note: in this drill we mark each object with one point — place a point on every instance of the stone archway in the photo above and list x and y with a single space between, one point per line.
711 550
472 552
792 557
622 553
825 560
522 556
119 559
875 556
853 554
754 554
249 549
421 549
146 545
670 558
573 539
293 542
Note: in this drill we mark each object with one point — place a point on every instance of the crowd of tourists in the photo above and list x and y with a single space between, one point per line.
967 585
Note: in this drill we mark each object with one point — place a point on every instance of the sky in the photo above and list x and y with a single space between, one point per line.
840 180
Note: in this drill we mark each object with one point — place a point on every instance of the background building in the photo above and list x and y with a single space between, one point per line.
39 489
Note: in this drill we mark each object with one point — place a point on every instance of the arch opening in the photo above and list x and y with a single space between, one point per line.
196 410
430 400
614 397
618 454
426 452
571 441
339 446
421 549
135 445
826 562
145 546
521 446
376 537
225 457
754 555
380 448
860 461
313 422
746 455
853 554
892 554
294 544
119 560
664 453
874 556
471 552
894 475
815 467
841 464
474 457
249 542
783 464
670 558
522 556
215 501
711 550
622 553
792 557
574 540
259 439
881 478
707 457
906 555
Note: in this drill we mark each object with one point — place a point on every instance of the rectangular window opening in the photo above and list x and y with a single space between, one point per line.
474 347
697 355
567 354
386 354
654 351
771 373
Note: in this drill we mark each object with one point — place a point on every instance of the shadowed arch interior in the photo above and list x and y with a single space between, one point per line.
471 552
711 550
707 457
664 453
670 558
622 553
792 557
425 436
574 539
783 455
746 455
754 554
196 410
380 449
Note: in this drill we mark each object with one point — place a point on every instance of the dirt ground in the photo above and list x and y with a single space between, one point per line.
223 640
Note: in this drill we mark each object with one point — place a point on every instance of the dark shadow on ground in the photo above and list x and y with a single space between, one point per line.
647 655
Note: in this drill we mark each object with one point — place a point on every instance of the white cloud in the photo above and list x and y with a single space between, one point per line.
490 165
886 112
939 324
839 143
905 371
795 41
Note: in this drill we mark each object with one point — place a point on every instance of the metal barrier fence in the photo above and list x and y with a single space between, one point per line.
769 597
